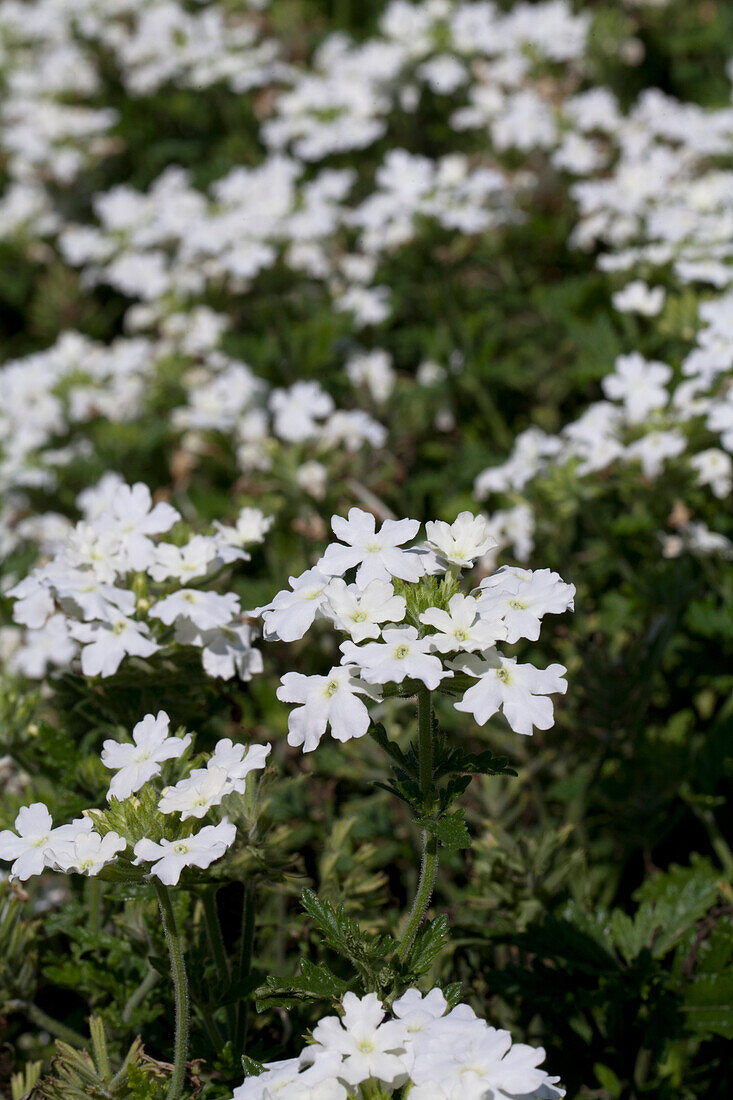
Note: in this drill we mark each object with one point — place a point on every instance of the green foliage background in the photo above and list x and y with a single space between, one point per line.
594 910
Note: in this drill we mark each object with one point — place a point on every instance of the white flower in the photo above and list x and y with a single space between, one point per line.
206 610
136 763
169 857
290 614
238 760
521 597
376 553
325 700
195 795
107 643
462 627
637 297
369 1047
518 690
401 655
461 542
51 644
653 448
183 562
361 611
31 848
251 527
713 467
640 384
87 852
228 652
476 1064
132 517
372 369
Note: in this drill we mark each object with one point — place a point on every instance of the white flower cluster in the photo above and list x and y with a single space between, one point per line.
119 590
666 213
85 847
51 60
389 643
422 1049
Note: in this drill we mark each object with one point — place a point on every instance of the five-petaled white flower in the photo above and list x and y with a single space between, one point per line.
325 700
460 543
31 847
169 857
290 614
136 763
377 554
361 612
108 643
521 597
369 1046
462 628
86 852
520 691
402 655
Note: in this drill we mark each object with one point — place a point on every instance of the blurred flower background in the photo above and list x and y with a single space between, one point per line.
266 261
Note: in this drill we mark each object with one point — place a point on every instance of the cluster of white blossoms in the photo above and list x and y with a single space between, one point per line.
663 209
52 52
408 626
114 588
421 1048
87 845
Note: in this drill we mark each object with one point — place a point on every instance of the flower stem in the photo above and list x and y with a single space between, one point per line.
180 987
245 963
216 942
429 864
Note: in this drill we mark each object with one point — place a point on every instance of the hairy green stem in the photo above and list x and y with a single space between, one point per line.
429 864
216 943
245 964
94 902
180 988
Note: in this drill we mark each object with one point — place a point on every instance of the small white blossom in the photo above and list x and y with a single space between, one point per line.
140 761
362 611
377 554
325 700
170 857
460 543
518 690
401 655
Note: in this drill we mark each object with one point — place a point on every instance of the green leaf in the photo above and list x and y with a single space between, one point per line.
451 831
429 942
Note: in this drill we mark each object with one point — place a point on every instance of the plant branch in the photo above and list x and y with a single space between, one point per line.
180 987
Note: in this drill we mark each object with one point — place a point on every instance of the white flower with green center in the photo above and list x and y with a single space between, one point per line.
195 795
360 612
195 559
369 1047
462 628
87 853
169 857
30 848
521 597
377 554
206 610
518 690
331 700
140 761
287 617
108 643
402 655
460 543
238 760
